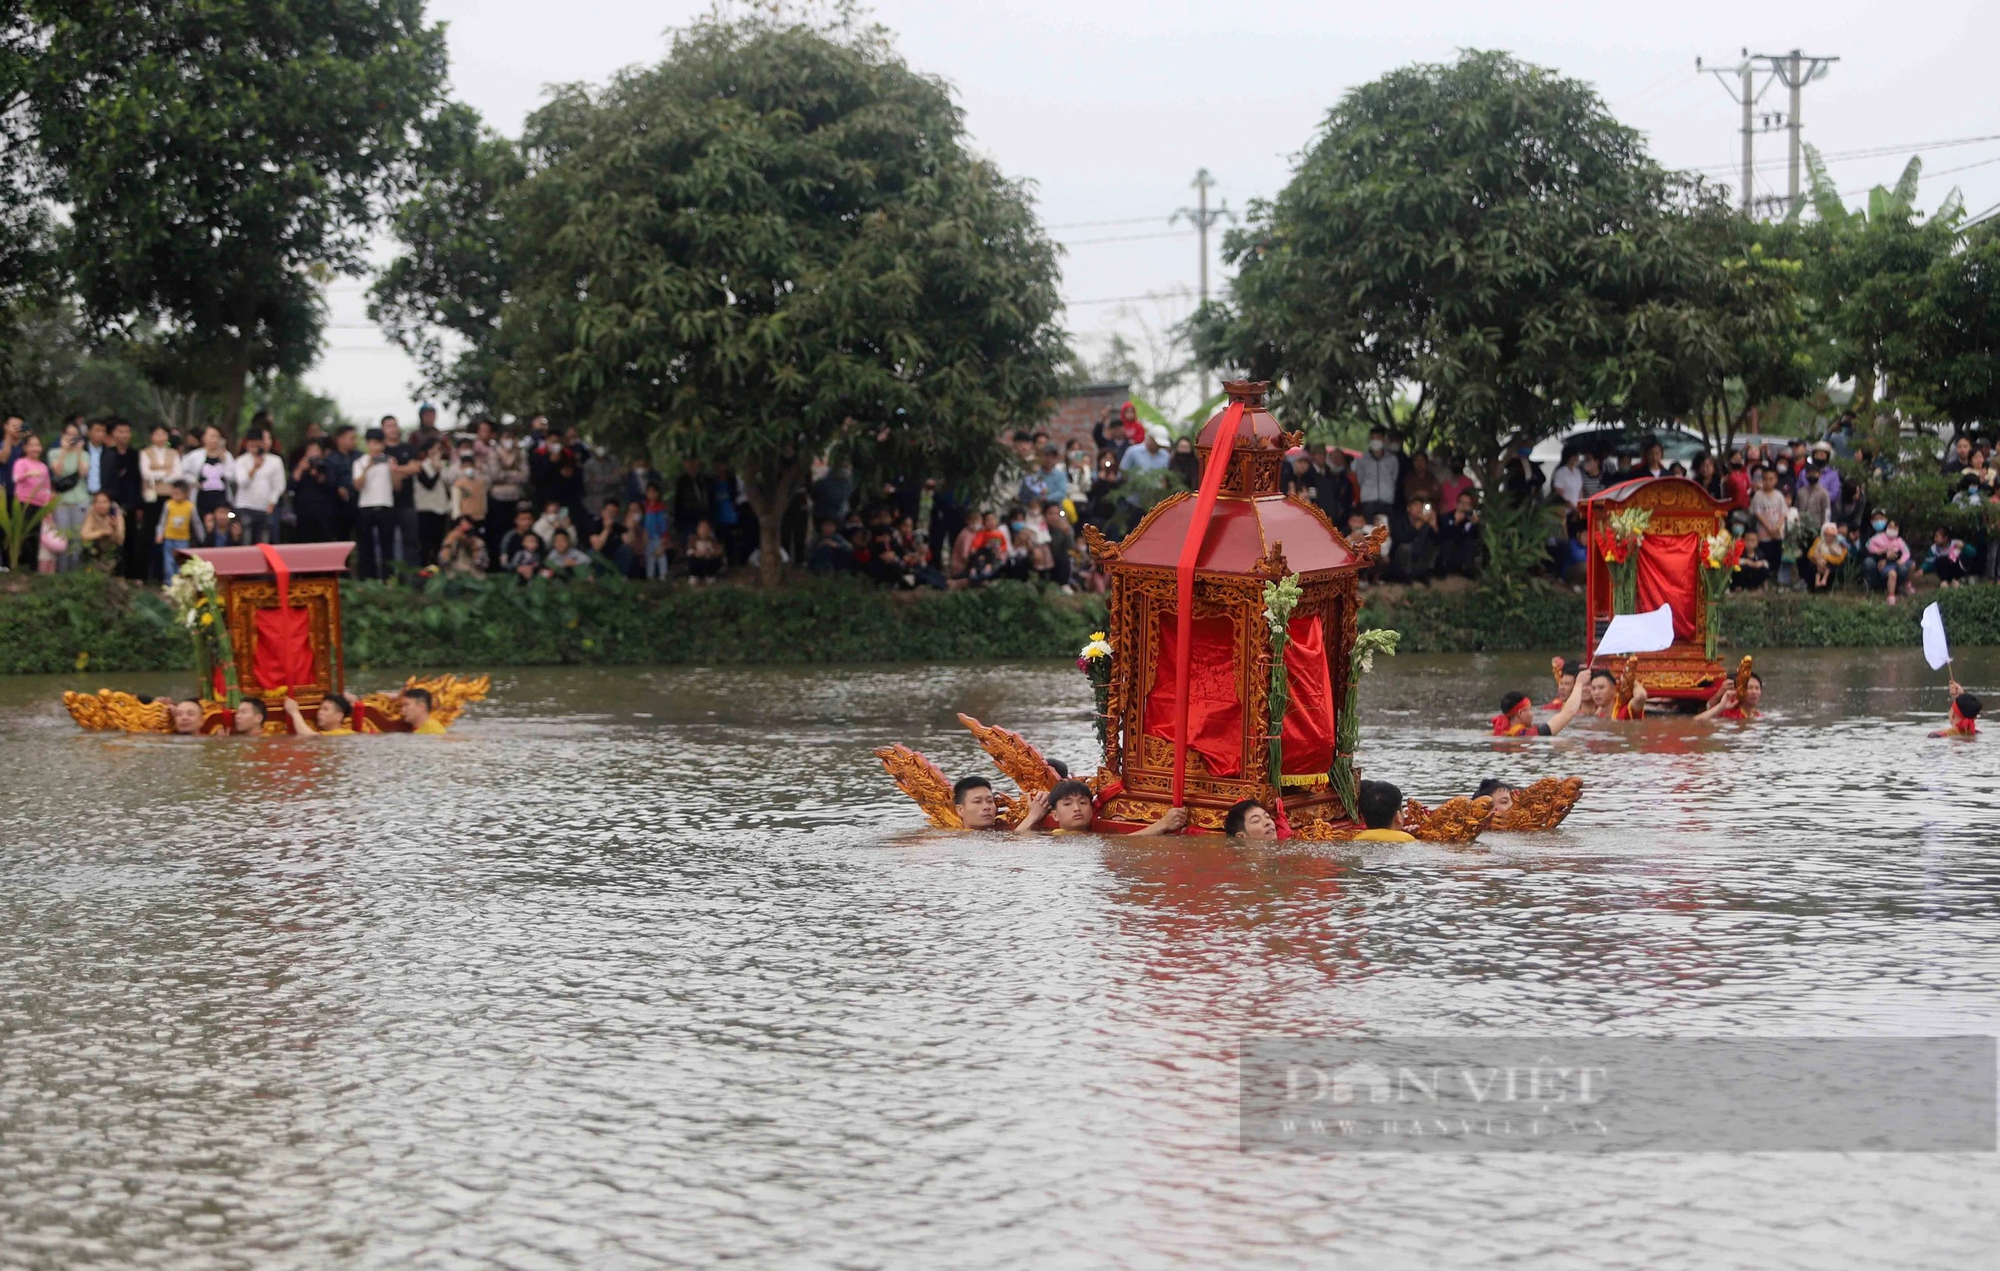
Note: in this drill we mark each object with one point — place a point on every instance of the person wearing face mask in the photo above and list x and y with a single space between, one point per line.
505 468
1334 489
1377 473
1888 560
1814 506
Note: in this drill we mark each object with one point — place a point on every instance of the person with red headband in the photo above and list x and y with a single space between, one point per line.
1964 715
1728 704
1517 714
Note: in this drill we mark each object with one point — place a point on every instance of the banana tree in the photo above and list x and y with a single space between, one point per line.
18 524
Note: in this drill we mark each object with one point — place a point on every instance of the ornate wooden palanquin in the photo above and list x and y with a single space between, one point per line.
247 583
1680 508
1257 535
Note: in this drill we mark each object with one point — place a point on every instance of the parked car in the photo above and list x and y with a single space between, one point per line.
1627 441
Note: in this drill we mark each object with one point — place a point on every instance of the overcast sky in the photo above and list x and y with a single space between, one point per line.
1109 107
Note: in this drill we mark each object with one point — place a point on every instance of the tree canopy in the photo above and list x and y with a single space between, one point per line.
1483 231
772 244
220 160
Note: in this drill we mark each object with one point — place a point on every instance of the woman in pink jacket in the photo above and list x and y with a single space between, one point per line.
1888 557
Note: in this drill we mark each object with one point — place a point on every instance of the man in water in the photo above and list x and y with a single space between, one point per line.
1964 715
1381 807
1074 809
972 799
417 712
329 717
186 717
1604 698
1517 714
1728 704
1500 792
1566 670
1251 822
250 717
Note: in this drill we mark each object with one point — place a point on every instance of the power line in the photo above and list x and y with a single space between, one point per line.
1126 238
1871 152
1119 300
1129 220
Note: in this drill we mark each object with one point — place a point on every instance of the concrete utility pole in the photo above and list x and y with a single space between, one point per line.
1202 218
1796 70
1745 92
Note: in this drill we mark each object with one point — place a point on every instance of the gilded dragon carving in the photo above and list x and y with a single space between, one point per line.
1540 806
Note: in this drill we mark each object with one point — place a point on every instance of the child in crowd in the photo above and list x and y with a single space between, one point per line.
658 527
1888 557
1827 554
705 554
526 561
1945 560
176 527
1964 715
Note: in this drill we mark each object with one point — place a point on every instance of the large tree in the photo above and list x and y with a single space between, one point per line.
772 245
220 159
441 299
1956 327
1482 233
1866 270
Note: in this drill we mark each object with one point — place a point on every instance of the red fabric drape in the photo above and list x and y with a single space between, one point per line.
281 656
1669 574
1215 712
1197 531
1308 728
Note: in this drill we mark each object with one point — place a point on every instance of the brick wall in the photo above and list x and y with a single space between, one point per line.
1074 414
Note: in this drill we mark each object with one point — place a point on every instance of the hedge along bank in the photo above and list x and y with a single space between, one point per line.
72 622
52 624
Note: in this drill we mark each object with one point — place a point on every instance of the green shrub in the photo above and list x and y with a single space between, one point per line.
51 623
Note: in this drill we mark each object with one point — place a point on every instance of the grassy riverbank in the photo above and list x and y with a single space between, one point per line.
87 622
1433 620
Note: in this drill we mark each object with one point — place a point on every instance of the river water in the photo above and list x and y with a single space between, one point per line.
654 968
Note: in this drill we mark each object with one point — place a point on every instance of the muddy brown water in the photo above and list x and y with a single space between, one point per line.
653 968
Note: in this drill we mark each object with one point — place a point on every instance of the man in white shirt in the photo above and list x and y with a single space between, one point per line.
375 507
1149 455
260 483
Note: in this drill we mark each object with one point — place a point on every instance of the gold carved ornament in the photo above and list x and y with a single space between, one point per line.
1014 756
1743 676
924 782
449 697
110 709
1457 820
1541 806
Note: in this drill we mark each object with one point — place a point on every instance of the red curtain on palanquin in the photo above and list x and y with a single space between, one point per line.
281 657
1308 728
1669 566
1215 711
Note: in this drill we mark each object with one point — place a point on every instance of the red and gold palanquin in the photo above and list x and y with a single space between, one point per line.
291 649
1670 559
1256 535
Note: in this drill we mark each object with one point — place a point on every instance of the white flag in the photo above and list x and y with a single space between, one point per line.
1638 633
1936 651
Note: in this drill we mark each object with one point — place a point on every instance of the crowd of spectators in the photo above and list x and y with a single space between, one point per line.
534 502
538 502
1806 512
